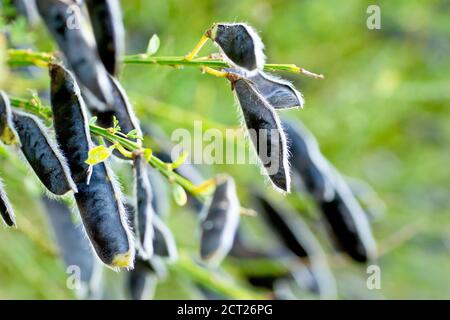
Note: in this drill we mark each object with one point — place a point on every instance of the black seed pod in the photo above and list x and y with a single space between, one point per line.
43 155
106 19
6 209
99 200
8 133
240 45
265 132
70 121
72 243
279 93
103 216
346 219
70 30
348 222
145 211
297 237
307 162
220 224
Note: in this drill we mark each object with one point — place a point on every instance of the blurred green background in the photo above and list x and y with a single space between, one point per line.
382 115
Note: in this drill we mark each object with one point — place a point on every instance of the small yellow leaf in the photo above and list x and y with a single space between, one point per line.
98 154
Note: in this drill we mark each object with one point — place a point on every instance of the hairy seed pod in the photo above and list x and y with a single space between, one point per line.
279 93
6 210
348 222
220 224
69 28
98 199
106 19
308 163
346 219
8 133
266 133
43 155
70 121
145 211
240 45
73 245
103 215
296 236
164 245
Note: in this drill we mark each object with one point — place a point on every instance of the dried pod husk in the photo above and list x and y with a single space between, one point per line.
106 19
220 223
145 211
6 210
8 133
73 246
164 245
307 162
98 198
296 236
265 132
348 222
42 154
70 30
239 44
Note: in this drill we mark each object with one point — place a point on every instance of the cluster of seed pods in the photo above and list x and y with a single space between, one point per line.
131 233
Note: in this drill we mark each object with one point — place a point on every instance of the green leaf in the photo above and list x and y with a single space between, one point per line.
179 195
98 155
153 45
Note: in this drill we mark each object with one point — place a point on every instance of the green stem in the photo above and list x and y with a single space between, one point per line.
19 58
213 281
45 112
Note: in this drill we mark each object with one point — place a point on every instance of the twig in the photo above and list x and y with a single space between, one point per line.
20 58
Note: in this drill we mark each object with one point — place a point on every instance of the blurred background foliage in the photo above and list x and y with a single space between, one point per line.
381 115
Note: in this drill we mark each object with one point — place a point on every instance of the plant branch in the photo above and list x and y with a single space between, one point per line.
45 113
18 58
